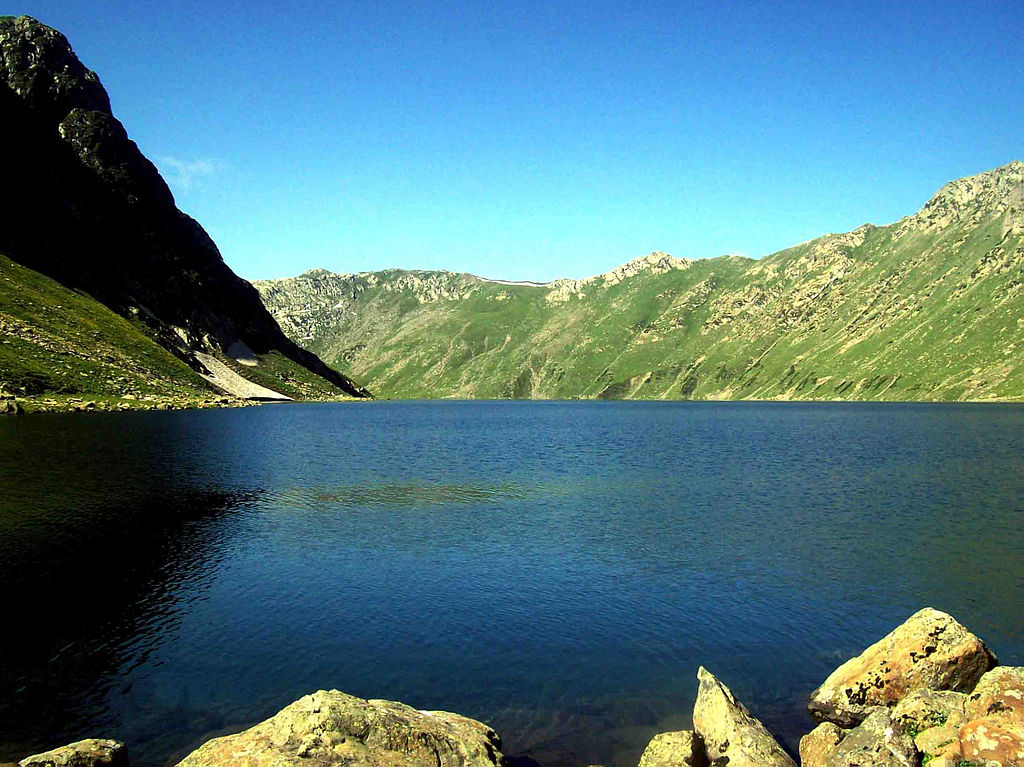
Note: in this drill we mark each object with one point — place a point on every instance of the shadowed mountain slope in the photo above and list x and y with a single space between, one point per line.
83 206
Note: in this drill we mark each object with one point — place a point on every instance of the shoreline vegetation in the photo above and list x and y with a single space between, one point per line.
63 403
928 693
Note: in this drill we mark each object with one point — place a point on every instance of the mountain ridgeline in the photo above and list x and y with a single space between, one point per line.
928 308
106 287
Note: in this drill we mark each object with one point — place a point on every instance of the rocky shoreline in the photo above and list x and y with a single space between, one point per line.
10 405
928 693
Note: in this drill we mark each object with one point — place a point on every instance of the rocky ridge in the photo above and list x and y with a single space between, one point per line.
86 208
915 719
927 308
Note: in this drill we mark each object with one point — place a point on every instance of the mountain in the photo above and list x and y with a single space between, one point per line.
84 208
928 308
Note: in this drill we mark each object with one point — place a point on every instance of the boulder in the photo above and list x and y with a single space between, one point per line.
675 749
877 742
999 693
92 752
994 732
993 741
931 650
924 709
730 734
816 745
332 728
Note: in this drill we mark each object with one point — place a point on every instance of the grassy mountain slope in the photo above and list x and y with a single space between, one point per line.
56 340
85 208
928 308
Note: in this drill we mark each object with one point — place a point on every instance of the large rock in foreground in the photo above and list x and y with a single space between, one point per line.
931 650
332 728
731 735
995 732
682 748
816 745
83 753
877 742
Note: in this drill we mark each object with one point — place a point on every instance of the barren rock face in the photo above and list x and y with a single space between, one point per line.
332 728
675 749
931 650
84 753
731 735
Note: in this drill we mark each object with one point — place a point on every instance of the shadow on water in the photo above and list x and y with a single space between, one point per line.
92 558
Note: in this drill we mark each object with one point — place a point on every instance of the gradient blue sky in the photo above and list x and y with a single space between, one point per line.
539 140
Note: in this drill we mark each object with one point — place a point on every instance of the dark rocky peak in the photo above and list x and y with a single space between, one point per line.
86 207
37 63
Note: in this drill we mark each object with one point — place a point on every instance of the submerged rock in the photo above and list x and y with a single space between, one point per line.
930 650
731 735
92 752
332 728
683 748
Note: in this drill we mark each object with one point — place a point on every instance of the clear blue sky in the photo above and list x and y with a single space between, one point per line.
535 140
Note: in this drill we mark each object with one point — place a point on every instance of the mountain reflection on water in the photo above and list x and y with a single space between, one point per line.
556 569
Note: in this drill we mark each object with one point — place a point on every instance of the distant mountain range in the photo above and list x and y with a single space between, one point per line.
928 308
106 288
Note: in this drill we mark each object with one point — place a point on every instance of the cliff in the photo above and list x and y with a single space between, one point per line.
83 206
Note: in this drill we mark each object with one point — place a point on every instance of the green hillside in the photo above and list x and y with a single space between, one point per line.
60 347
59 342
928 308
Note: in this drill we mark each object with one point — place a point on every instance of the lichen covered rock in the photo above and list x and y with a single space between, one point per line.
931 650
994 733
92 752
683 748
816 745
731 735
878 741
924 709
332 728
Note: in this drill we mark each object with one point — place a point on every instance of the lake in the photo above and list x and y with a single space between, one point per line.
556 569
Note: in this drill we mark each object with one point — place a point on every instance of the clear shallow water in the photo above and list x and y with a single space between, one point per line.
558 570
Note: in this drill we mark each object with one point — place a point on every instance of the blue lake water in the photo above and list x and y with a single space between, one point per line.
559 570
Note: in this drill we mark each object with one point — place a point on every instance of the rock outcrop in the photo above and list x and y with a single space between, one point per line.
332 728
922 309
728 730
930 650
84 753
88 209
683 748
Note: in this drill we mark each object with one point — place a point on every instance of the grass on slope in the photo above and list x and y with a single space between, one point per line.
877 314
59 341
